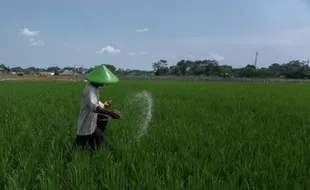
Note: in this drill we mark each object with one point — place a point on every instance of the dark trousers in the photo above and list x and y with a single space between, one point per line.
97 138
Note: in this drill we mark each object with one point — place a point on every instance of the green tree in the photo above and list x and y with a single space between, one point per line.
160 68
110 67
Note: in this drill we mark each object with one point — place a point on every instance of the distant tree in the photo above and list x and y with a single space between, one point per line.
175 70
294 69
17 69
5 68
160 68
56 73
68 68
110 67
52 69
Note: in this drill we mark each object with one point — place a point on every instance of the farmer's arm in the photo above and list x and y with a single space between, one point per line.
95 106
101 104
102 110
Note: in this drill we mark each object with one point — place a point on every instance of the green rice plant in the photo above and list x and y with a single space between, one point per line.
201 136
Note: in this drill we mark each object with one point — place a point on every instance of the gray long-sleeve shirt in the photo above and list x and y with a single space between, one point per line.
88 117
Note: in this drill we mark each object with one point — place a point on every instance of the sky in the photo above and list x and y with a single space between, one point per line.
131 34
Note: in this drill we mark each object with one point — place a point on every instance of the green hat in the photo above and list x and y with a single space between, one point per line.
101 75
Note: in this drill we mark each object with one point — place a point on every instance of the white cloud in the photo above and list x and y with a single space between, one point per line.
108 49
215 56
136 54
32 34
29 33
35 42
142 30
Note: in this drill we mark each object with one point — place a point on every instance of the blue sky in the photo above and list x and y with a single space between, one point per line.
134 33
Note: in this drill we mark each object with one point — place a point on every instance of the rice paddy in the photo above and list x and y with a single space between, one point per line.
200 136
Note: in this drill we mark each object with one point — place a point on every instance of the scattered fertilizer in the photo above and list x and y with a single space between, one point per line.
140 106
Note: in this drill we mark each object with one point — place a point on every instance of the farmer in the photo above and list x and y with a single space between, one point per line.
93 115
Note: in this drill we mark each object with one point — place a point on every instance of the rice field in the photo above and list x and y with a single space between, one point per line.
201 136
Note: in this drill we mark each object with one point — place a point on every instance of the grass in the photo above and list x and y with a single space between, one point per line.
202 136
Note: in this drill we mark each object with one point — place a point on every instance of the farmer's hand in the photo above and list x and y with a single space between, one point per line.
107 103
115 114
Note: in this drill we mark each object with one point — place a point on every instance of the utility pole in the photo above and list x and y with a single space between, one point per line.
255 62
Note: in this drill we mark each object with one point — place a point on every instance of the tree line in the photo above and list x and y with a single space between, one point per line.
294 69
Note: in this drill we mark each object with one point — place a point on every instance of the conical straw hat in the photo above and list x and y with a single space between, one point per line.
101 75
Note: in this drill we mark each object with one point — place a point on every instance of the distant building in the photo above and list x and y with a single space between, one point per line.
17 73
46 73
20 74
1 70
67 72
